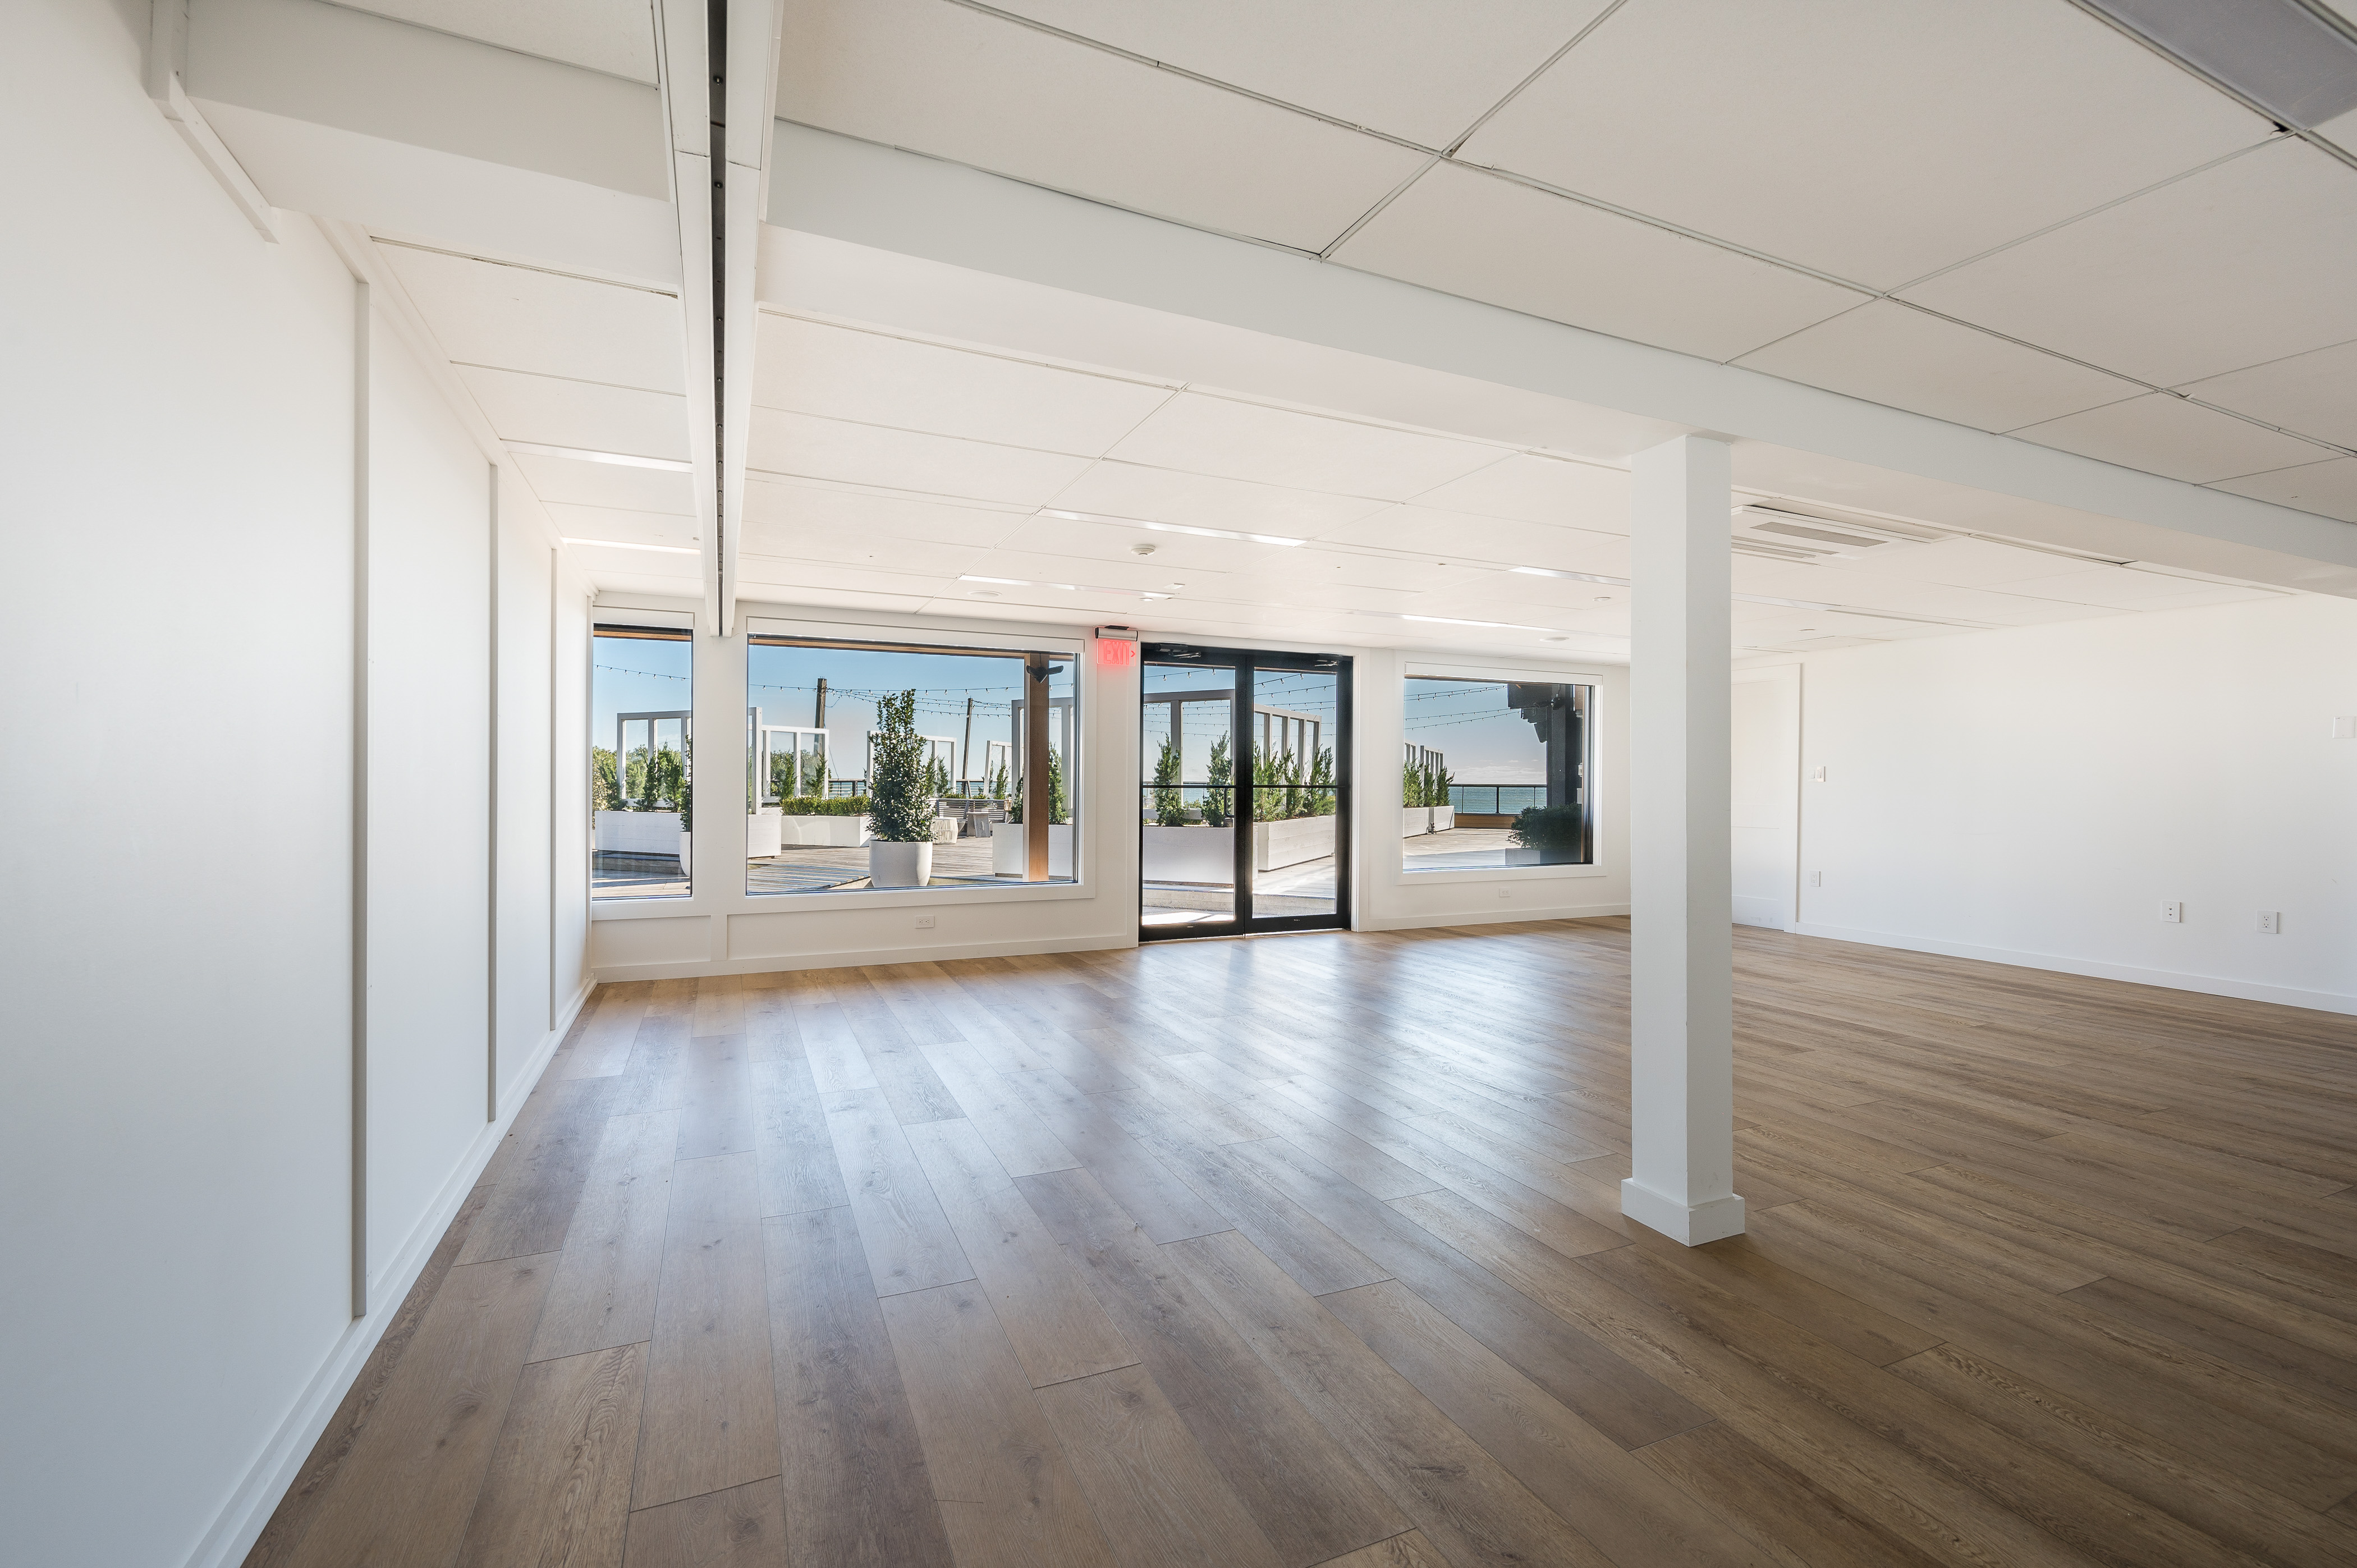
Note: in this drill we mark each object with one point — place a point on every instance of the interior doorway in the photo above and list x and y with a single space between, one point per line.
1245 809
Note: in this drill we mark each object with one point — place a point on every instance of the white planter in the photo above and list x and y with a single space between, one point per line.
1188 854
637 833
899 864
1524 857
1414 820
764 835
1010 856
840 833
945 830
1443 818
1290 841
684 838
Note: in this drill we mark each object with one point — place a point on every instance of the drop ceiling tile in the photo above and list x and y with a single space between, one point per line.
2329 489
1973 562
941 79
552 412
807 367
1871 141
804 445
2234 266
2341 131
1536 488
2126 588
1413 68
522 318
1174 558
2165 434
616 37
1438 535
868 552
2314 393
1489 239
610 523
1887 353
1278 446
573 481
811 510
1206 500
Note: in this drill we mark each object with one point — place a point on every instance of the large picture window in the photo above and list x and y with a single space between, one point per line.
1496 773
875 766
641 746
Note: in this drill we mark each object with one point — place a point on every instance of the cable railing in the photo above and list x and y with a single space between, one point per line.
1496 800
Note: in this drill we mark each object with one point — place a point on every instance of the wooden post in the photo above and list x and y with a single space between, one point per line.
1036 792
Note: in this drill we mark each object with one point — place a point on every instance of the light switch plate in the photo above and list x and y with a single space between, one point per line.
2174 914
2345 728
1817 879
2271 922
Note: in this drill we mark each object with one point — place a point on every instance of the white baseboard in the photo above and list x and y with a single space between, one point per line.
772 963
239 1522
2172 980
1487 917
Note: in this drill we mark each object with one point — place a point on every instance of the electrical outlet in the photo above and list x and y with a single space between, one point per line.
924 922
2345 727
2271 922
1817 879
2173 914
1505 893
1819 776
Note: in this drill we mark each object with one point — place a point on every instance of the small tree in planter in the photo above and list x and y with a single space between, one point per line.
1170 803
1220 775
902 856
1060 805
1554 832
1411 786
1322 784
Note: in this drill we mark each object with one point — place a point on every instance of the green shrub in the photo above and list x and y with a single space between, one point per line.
1221 776
831 806
1553 831
1169 801
896 790
604 788
1322 784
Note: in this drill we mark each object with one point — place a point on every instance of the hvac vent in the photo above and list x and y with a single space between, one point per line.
1762 530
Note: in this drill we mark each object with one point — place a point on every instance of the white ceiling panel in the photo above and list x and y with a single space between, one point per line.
1888 353
2165 434
1487 239
571 480
2329 489
2341 131
522 318
1971 562
552 412
631 527
2125 588
2234 266
1871 141
1423 70
1296 451
823 510
1209 500
941 79
616 37
801 443
1541 489
808 367
2315 394
868 552
1452 536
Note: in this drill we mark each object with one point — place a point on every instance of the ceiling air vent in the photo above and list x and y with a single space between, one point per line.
1796 536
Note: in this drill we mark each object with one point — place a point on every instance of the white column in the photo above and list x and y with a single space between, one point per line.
1682 947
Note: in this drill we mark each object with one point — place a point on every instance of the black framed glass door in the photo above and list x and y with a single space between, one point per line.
1245 804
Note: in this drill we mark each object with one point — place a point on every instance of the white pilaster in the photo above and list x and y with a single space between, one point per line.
1681 948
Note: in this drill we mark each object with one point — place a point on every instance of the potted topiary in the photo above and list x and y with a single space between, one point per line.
902 855
1415 814
1173 847
1548 835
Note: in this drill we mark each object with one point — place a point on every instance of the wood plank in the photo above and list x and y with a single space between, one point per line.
1306 1495
1055 1325
743 1527
1156 1196
857 1495
1457 1495
1023 1145
711 1420
1409 1550
915 1090
558 1492
608 1025
716 1098
1007 1494
402 1498
910 1243
793 1150
1161 1500
540 1173
604 1291
1789 1516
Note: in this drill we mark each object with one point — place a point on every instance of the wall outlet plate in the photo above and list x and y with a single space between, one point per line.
1817 879
2345 728
924 922
2271 922
1819 775
2174 914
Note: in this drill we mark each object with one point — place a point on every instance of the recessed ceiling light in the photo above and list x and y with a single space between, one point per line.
981 594
1010 582
621 544
1452 620
1574 576
583 454
1171 527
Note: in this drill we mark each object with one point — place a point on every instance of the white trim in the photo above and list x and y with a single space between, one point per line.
1689 1225
773 964
1509 912
2206 985
255 1498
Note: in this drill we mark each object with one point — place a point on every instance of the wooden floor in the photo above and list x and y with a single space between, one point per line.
1306 1250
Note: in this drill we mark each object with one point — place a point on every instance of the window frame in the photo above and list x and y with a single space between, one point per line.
1590 676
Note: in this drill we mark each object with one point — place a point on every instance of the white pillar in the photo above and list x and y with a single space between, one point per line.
1682 946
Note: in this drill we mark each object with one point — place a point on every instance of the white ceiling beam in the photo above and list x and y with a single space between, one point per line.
682 56
168 63
1212 309
750 101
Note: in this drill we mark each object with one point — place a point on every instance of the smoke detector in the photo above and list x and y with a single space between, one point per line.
1143 550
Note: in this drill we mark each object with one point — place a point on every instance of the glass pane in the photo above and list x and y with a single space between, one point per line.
1187 835
1296 819
1494 773
640 691
851 790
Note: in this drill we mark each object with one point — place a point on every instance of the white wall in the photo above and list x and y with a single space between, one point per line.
2034 795
177 480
